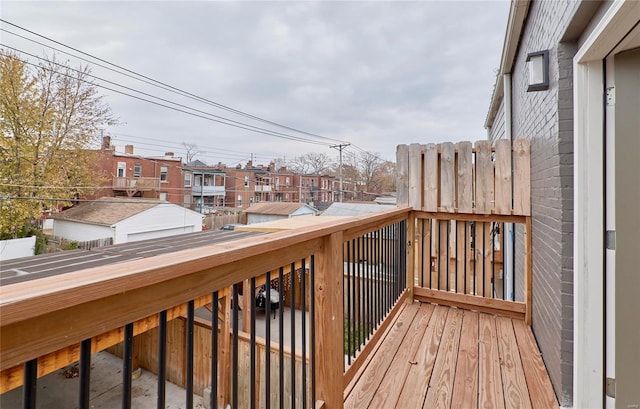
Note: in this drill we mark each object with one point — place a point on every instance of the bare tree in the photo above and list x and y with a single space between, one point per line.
191 151
312 163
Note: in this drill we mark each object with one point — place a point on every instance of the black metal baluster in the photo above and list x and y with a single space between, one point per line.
252 346
30 384
281 337
189 366
213 399
292 274
303 291
313 330
267 353
85 374
348 306
162 359
127 362
360 294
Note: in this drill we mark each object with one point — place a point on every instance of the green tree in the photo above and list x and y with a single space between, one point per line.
50 117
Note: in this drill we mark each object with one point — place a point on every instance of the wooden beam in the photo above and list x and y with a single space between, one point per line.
470 217
528 274
412 250
471 302
329 352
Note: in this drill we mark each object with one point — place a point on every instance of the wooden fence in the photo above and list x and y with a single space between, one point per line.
459 178
466 197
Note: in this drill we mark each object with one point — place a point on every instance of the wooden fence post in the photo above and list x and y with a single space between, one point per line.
412 254
329 317
528 267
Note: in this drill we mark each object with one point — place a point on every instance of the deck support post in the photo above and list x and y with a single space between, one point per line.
329 318
528 276
412 254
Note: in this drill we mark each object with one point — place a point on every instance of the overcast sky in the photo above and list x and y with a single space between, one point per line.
375 74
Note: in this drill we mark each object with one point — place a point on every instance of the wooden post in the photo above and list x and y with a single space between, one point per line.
247 305
412 254
528 276
329 322
224 350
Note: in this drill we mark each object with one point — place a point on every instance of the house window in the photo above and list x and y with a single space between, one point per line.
122 169
246 181
137 170
163 195
288 182
187 180
163 173
239 200
277 183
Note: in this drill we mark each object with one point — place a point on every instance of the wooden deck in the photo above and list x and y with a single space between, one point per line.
434 356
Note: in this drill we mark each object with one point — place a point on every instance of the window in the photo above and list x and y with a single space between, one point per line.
163 195
187 180
122 169
246 181
137 170
277 183
239 200
288 182
163 173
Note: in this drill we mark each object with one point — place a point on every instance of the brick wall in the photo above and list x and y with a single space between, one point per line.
546 117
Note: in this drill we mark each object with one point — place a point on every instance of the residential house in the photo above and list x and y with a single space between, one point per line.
125 220
284 185
264 212
568 81
207 184
130 175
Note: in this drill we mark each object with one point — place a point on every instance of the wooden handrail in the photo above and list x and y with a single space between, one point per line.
69 308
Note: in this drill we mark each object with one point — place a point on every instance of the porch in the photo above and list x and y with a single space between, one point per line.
365 330
436 356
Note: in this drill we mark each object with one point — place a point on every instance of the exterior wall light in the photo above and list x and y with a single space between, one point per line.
538 67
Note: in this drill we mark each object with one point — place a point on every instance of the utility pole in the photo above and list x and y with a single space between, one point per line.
340 147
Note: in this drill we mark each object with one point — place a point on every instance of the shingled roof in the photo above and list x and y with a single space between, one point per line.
108 210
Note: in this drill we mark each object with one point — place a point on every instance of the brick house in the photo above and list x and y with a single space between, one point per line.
559 59
129 175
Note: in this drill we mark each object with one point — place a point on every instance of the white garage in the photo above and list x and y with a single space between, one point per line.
125 220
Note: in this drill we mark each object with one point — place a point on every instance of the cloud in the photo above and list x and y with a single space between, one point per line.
373 73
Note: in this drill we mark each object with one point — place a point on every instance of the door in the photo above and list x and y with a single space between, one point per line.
622 221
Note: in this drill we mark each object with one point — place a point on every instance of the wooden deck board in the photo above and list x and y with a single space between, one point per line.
441 385
514 384
364 391
444 357
538 382
414 389
465 388
388 391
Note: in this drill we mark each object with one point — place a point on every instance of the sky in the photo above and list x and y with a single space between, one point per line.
371 74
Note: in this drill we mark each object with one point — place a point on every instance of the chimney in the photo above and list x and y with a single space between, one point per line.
128 149
106 143
249 165
283 169
169 154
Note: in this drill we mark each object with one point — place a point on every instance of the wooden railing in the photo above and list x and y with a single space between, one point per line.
49 322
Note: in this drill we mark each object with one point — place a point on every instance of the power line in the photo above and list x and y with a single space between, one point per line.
164 85
221 120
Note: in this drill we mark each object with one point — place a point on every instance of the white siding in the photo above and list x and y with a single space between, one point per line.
78 231
159 221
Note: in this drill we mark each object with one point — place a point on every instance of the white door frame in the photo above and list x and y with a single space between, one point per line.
588 265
